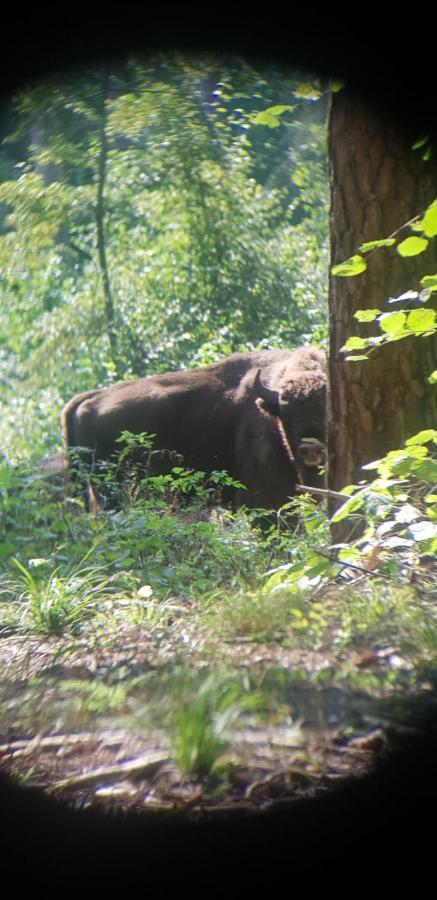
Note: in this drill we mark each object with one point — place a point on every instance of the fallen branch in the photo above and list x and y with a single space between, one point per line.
144 765
54 742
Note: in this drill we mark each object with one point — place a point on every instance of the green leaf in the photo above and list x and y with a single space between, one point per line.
396 543
431 549
349 555
433 377
412 246
349 507
425 470
270 116
336 85
430 282
355 265
354 343
265 118
406 514
367 315
417 227
371 245
278 110
393 323
307 92
430 221
420 142
357 358
421 320
422 437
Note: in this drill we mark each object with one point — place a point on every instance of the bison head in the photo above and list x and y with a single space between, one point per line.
299 405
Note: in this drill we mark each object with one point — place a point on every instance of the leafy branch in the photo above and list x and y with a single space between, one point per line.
401 323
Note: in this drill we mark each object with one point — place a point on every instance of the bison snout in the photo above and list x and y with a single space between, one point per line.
312 453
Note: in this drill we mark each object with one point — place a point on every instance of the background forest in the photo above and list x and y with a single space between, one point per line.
154 217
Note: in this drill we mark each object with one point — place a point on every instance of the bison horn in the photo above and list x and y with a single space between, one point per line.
270 398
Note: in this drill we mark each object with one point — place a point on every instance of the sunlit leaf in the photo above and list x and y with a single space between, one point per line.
270 116
307 92
422 437
412 246
352 505
423 531
355 265
394 322
430 282
421 320
265 118
349 555
396 543
433 377
367 315
430 221
278 110
417 226
372 465
354 343
372 245
407 514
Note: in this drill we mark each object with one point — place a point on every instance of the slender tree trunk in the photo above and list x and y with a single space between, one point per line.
100 226
50 172
377 184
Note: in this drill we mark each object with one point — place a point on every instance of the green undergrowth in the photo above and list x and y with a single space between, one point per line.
170 553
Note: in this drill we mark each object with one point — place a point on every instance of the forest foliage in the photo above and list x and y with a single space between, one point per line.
155 216
152 219
161 215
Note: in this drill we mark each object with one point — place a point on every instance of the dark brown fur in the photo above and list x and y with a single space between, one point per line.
215 417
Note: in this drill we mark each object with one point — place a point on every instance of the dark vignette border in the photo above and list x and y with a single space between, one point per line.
385 820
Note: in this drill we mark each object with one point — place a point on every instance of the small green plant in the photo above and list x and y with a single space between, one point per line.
60 601
203 725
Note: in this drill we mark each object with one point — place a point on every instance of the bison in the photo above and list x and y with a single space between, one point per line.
259 415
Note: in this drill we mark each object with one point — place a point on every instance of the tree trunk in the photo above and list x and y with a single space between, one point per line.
100 227
377 184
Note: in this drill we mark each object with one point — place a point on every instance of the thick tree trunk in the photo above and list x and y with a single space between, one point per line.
377 184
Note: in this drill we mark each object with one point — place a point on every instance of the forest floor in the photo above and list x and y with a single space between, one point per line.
94 721
157 658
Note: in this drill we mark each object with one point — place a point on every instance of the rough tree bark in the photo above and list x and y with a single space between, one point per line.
377 184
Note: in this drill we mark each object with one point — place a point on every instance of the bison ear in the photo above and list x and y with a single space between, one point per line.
267 398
